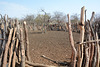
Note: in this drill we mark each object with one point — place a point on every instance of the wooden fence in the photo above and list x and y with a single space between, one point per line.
87 52
14 44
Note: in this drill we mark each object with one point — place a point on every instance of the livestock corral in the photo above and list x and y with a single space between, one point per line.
21 47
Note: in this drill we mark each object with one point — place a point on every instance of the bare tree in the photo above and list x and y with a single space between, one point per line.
74 18
59 17
29 18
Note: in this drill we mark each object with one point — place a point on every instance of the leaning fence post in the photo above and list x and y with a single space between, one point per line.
14 57
74 52
6 48
11 50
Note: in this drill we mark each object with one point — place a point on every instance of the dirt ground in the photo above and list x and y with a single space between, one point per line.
52 44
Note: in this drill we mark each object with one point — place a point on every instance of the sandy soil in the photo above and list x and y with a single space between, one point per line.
53 44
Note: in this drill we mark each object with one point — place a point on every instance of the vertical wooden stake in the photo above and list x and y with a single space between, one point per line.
22 50
26 42
11 50
6 49
81 36
87 56
74 53
97 44
14 57
4 33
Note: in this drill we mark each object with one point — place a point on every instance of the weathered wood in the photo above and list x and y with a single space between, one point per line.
73 63
14 57
85 16
93 60
22 50
19 37
0 46
91 41
87 56
4 33
26 42
90 24
92 53
6 49
97 44
87 38
1 38
37 64
19 53
1 31
80 57
11 50
95 57
18 29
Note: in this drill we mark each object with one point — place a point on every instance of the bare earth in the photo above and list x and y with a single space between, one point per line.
53 44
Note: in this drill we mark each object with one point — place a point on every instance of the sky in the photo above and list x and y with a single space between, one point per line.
20 8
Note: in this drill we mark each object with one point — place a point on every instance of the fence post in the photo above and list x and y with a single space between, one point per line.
6 49
74 52
26 41
80 55
22 50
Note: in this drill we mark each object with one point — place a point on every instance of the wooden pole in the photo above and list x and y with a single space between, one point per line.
1 38
90 24
93 37
22 50
0 47
6 49
37 64
95 56
80 58
73 63
97 44
1 31
11 50
85 16
87 56
26 42
92 54
18 36
4 33
14 57
18 29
